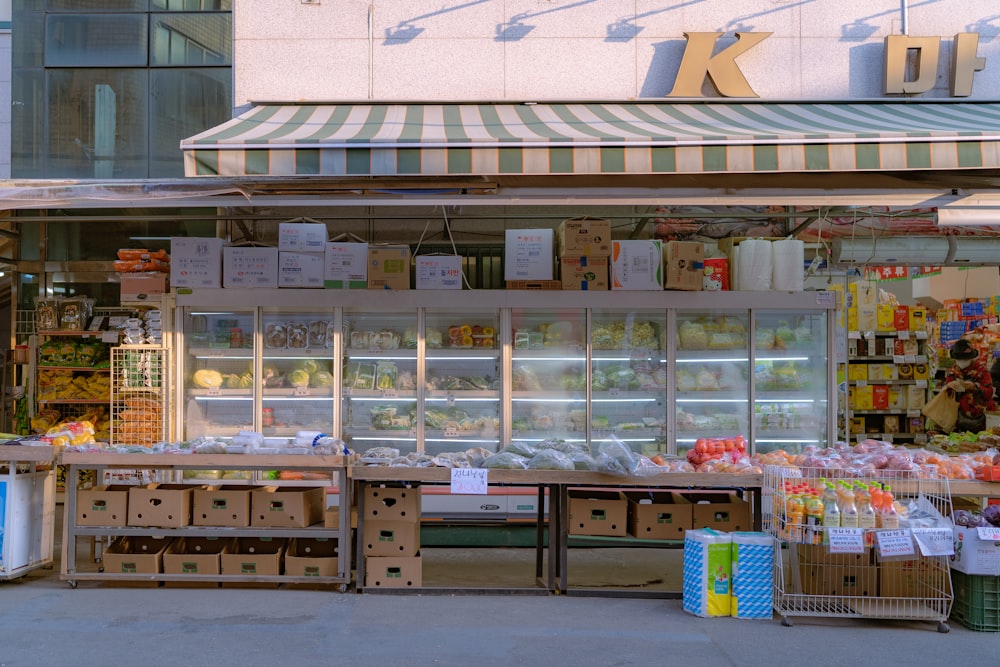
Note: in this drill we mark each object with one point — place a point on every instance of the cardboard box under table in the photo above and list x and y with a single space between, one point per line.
391 538
603 513
254 557
160 505
401 503
102 506
221 506
286 507
135 555
393 572
657 516
311 557
196 556
719 511
841 575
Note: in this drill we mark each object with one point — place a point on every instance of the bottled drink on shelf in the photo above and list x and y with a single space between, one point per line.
875 493
848 509
814 518
831 510
866 513
890 518
795 508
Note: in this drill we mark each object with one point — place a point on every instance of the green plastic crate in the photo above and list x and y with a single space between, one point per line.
977 601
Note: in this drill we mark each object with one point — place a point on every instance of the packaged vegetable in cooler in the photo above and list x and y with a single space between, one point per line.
317 334
298 335
297 378
692 336
385 375
308 365
321 379
275 335
206 378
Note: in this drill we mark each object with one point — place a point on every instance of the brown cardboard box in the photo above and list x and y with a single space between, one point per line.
221 506
824 573
718 511
388 267
657 516
254 556
904 579
391 538
143 286
597 513
683 265
331 518
287 507
160 505
135 555
311 557
585 236
196 555
395 503
394 572
102 506
584 273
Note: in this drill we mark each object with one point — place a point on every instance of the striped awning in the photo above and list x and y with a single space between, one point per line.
557 139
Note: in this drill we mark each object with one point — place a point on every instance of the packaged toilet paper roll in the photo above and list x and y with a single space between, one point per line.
708 572
755 266
787 265
753 575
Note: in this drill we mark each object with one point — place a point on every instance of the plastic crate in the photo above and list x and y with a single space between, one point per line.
977 601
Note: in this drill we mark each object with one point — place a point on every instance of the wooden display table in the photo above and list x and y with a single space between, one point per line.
100 461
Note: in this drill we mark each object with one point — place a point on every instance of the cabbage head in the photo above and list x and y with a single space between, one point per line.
298 378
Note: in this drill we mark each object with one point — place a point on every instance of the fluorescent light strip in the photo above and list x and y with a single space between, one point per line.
225 356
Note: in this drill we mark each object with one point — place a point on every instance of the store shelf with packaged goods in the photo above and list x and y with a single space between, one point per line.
77 526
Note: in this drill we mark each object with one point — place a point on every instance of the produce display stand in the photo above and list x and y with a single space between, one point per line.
815 582
77 461
27 509
556 485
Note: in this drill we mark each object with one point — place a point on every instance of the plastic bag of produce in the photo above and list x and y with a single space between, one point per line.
550 459
505 460
583 461
616 458
692 336
521 449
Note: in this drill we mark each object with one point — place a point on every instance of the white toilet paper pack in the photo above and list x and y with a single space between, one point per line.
755 266
788 265
752 575
707 572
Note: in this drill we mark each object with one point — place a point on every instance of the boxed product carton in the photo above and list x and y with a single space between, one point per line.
300 269
593 512
160 505
392 503
254 556
302 236
102 506
439 272
391 538
918 318
287 507
657 516
977 551
331 518
880 397
196 262
249 267
143 286
636 265
388 267
135 555
901 318
221 506
393 572
885 316
847 575
719 511
196 555
683 265
346 266
528 254
584 273
311 557
590 237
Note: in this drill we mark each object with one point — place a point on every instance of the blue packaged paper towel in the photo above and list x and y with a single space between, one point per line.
753 575
708 565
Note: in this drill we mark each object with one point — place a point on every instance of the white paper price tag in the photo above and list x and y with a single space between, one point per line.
469 481
913 413
215 352
920 359
894 543
903 335
921 335
451 432
854 335
989 533
921 383
300 391
934 541
862 383
898 359
109 336
388 393
846 540
213 391
614 391
347 391
450 400
868 334
911 358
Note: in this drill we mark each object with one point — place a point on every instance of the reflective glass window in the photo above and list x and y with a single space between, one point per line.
91 40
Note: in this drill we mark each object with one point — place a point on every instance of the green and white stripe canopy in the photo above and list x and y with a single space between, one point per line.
596 138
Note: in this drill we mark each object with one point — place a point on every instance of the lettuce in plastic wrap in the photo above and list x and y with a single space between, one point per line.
505 460
550 459
692 336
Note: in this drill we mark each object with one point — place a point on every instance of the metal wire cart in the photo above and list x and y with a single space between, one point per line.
882 572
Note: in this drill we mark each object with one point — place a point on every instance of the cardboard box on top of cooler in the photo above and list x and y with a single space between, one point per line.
584 273
528 254
590 237
301 269
683 265
249 266
346 266
143 286
637 265
438 272
302 237
388 266
196 261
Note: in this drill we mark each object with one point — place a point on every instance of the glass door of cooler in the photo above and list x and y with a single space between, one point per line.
790 380
379 383
712 389
462 381
218 365
296 376
548 375
628 380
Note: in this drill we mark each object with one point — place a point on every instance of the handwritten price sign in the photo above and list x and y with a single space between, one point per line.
469 481
989 534
895 543
934 541
846 540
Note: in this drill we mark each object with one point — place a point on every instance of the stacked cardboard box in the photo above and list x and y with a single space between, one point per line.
391 537
301 254
584 253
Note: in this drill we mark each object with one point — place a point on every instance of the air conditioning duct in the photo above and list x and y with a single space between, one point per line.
892 250
974 251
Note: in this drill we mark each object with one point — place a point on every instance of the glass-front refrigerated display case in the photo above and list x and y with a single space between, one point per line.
462 381
548 383
297 381
379 380
790 380
711 379
628 378
218 372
